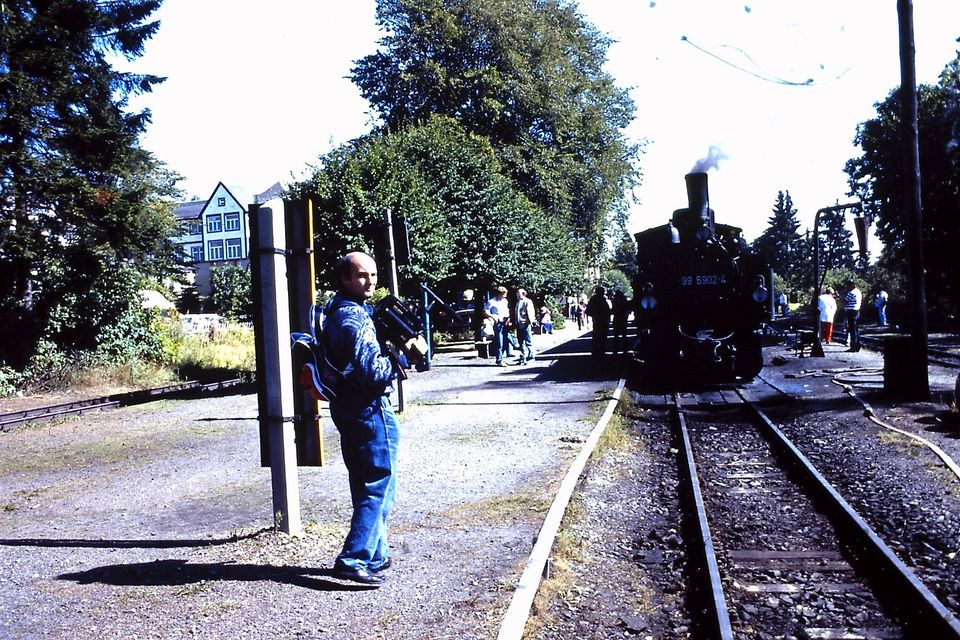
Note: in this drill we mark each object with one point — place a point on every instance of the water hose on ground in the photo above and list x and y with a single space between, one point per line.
872 416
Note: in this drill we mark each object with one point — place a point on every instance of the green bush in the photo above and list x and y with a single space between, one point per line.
10 380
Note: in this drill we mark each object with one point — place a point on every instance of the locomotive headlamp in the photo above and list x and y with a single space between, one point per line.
647 300
760 293
704 233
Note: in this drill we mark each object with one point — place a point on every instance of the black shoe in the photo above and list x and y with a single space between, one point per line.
358 575
383 567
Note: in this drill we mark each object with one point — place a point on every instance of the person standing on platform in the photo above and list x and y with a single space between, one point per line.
598 309
363 415
525 317
851 307
546 320
881 303
498 309
827 306
621 311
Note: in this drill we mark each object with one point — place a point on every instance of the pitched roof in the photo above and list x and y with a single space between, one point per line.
189 210
275 191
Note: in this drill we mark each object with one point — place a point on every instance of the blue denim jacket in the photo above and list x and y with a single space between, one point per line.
352 345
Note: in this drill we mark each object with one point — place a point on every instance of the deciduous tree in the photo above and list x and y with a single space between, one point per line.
877 178
527 75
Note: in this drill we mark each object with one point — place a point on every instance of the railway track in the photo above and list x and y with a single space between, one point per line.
14 419
778 550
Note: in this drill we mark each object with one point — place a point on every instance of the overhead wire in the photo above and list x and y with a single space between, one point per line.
760 76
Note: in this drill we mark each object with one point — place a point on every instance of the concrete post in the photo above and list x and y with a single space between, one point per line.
275 384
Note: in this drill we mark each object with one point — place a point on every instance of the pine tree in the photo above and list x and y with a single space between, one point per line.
781 244
77 193
836 246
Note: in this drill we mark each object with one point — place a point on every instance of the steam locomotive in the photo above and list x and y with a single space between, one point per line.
701 297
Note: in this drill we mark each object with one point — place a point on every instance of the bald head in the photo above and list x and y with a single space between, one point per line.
356 274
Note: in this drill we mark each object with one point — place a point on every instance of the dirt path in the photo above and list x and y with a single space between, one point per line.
154 521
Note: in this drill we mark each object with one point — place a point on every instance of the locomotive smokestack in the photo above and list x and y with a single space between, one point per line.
698 196
696 221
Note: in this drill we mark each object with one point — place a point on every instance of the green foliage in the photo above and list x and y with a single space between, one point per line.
613 280
228 352
625 256
231 292
77 194
468 225
525 75
877 176
836 246
106 320
782 246
10 380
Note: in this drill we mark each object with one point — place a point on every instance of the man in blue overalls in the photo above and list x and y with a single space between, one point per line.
364 417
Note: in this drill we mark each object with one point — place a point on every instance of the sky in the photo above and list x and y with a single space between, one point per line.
771 91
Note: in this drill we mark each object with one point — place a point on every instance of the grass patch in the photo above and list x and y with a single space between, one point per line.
106 379
498 509
568 550
193 589
909 445
489 434
229 349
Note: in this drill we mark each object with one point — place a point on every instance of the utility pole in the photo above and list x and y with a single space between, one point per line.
918 376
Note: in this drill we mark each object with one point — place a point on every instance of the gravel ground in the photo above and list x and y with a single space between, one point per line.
155 521
623 569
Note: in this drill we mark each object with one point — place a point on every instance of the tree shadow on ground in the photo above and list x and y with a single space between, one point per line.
127 544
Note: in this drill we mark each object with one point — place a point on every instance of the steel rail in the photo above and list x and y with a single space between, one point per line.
933 617
720 620
65 409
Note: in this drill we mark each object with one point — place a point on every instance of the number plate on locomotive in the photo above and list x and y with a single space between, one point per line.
703 280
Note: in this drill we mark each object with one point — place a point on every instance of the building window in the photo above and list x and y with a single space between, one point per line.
214 223
221 202
196 252
234 249
231 222
215 250
190 228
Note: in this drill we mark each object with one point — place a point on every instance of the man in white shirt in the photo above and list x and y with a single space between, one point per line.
827 305
498 309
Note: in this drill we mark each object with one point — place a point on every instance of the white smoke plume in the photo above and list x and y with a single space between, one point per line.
711 161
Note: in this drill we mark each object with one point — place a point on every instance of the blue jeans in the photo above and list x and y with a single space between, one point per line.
853 328
368 438
500 340
525 337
